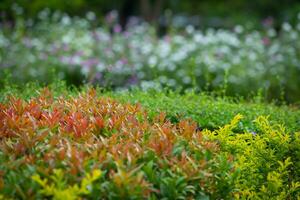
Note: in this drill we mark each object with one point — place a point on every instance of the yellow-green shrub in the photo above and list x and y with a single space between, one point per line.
59 189
264 160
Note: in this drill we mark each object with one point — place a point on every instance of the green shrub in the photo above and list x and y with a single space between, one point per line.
265 160
52 140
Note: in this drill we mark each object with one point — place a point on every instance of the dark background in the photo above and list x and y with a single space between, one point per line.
212 13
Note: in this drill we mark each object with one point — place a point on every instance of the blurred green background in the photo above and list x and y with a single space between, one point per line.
232 47
211 12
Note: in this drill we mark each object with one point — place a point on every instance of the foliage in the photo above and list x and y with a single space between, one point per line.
62 139
209 110
212 13
59 190
212 111
82 144
262 159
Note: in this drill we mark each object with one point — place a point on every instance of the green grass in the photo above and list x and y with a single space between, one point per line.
208 111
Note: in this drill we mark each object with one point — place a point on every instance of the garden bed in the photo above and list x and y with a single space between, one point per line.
70 144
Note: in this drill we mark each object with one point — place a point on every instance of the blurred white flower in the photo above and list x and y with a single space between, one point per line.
141 75
100 67
190 29
172 82
66 20
238 29
163 49
152 61
198 37
298 26
186 80
271 32
91 16
286 26
252 56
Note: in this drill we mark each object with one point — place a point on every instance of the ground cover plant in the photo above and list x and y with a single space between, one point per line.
66 144
211 111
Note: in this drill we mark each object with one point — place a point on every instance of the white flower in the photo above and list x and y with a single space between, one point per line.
190 29
91 16
238 29
152 61
198 37
172 82
271 33
186 80
66 20
100 67
286 26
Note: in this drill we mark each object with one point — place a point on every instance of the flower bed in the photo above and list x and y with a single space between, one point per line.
237 62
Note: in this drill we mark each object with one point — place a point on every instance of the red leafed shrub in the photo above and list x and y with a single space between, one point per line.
140 157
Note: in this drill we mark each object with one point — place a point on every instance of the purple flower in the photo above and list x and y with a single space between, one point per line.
266 41
111 17
54 49
268 22
253 133
96 36
43 56
66 60
126 34
97 78
167 38
108 52
63 59
79 53
98 75
65 47
133 80
124 61
133 21
117 28
90 62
